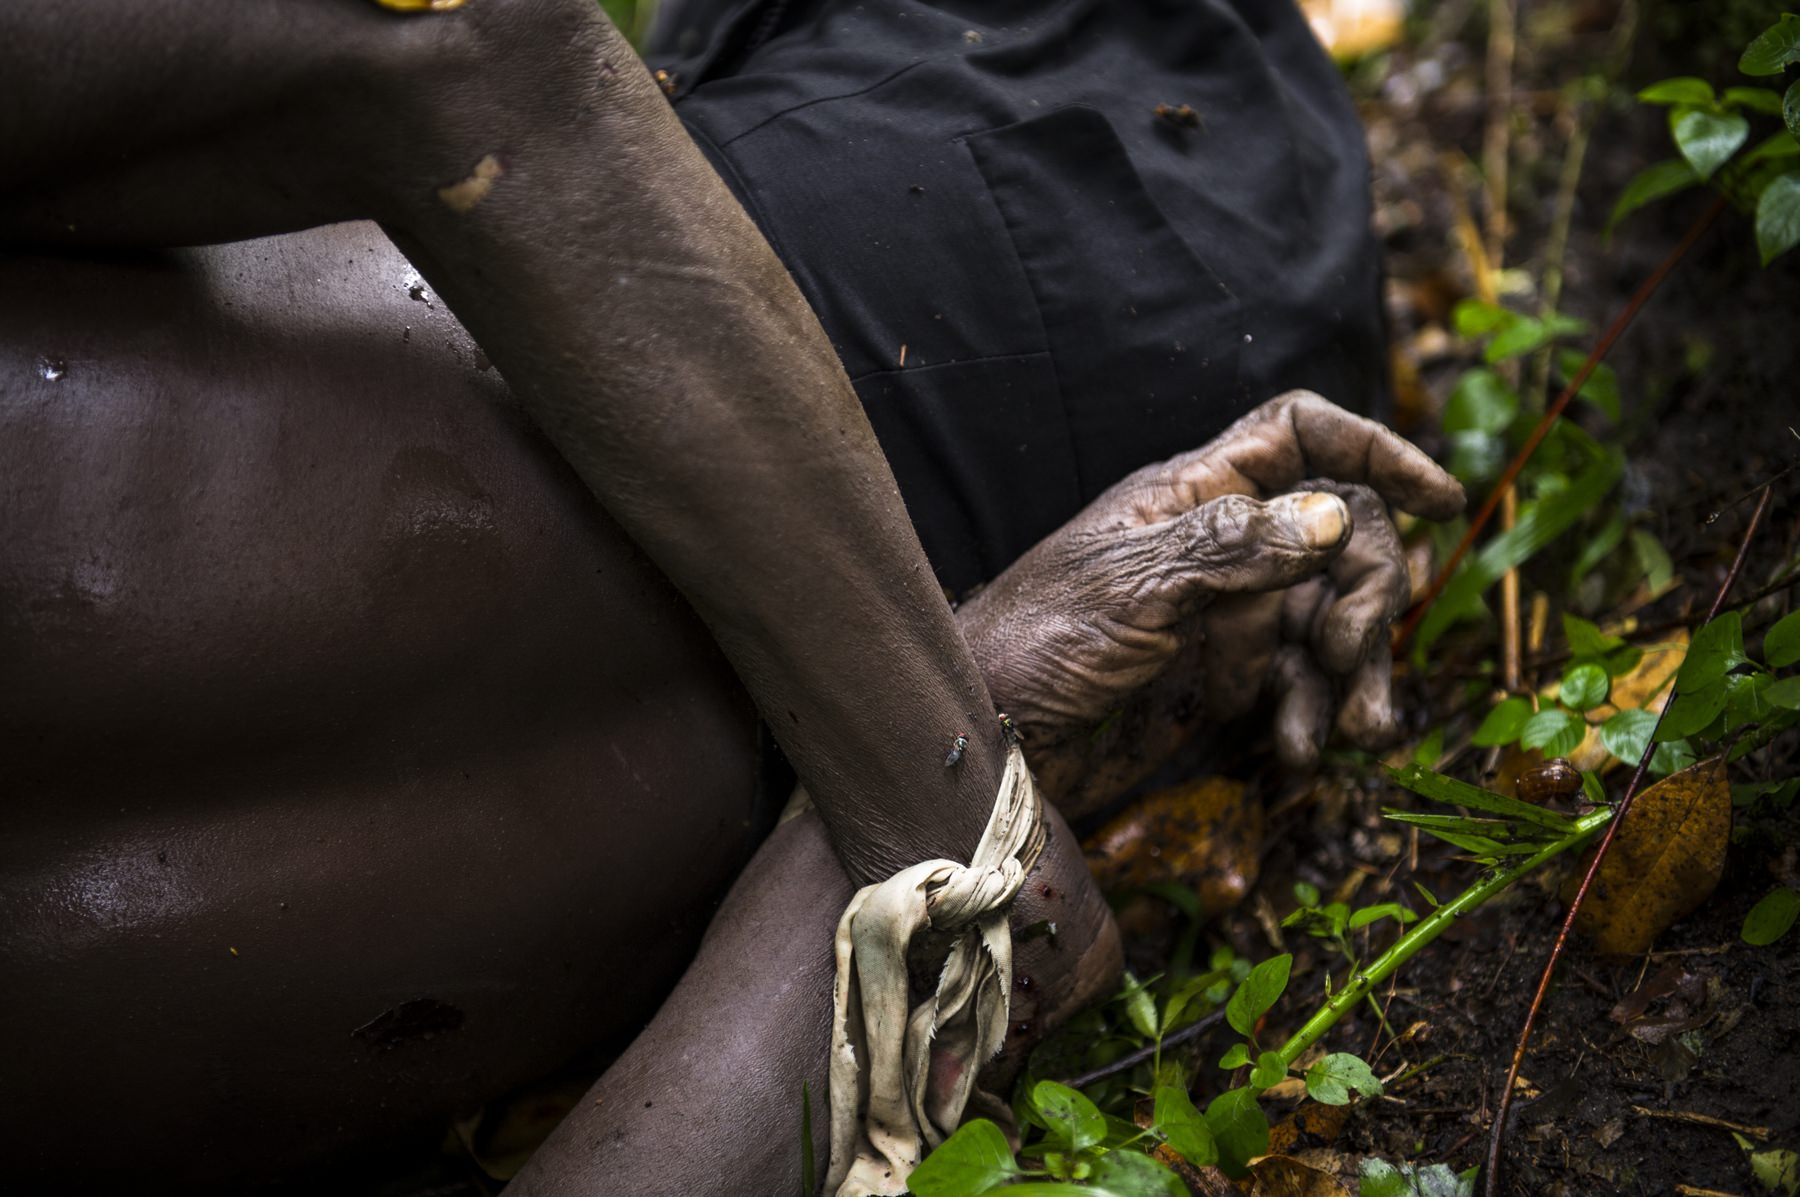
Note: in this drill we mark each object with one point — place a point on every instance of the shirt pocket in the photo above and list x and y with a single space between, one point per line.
1143 337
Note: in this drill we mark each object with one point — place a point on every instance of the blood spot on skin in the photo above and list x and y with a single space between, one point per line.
461 197
421 1019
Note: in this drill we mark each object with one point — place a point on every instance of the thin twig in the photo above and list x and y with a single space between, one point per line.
1496 149
1145 1053
1699 1119
1620 323
1497 1135
1647 631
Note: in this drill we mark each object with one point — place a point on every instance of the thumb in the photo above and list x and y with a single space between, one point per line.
1238 545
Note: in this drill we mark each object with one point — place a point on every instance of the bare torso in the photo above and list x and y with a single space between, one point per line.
346 740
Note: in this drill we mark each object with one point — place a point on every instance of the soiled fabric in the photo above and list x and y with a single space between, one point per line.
902 1074
1035 282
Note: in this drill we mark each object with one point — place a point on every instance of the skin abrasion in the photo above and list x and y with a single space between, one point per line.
461 197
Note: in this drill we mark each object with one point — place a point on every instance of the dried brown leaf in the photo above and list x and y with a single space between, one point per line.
1285 1176
1664 862
1205 834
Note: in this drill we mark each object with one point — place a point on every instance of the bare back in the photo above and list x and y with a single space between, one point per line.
342 728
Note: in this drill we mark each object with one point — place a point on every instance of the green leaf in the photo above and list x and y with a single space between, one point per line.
1130 1174
1430 749
1716 650
1585 687
1779 145
1554 731
1602 387
1239 1128
968 1163
1653 559
1776 1170
1476 456
1539 523
1384 910
1237 1057
1521 336
1774 48
1503 723
1184 1128
1499 831
1770 918
1586 639
1381 1179
1525 334
1439 788
1598 548
1306 893
1181 897
1746 702
1707 139
1481 402
1140 1010
1333 1079
1756 99
1257 993
1790 111
1075 1121
1480 837
1692 712
1473 318
1627 734
1269 1071
1778 217
1670 758
1781 643
1784 694
1685 89
1654 182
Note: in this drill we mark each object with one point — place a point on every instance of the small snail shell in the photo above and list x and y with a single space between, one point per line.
1554 780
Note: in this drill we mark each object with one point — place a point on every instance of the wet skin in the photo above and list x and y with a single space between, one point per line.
315 650
370 770
296 609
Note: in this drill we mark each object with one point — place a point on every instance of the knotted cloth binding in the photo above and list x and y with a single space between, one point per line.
901 1075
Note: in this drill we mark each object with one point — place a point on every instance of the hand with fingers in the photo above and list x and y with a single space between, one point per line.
1265 562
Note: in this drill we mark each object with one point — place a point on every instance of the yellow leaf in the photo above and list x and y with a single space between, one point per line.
1352 28
1206 834
1646 686
1285 1176
1664 862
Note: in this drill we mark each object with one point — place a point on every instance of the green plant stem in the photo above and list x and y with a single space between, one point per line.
1427 929
1764 733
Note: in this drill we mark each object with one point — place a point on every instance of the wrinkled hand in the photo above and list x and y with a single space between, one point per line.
1265 560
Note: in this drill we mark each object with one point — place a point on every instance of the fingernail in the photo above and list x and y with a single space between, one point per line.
1323 519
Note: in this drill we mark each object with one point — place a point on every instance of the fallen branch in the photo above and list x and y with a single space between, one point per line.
1699 1119
1497 1135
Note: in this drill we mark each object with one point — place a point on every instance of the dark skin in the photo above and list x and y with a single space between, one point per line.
183 631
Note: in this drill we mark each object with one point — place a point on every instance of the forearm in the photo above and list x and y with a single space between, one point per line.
523 158
655 337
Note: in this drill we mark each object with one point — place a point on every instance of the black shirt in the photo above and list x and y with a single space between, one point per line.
1036 282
